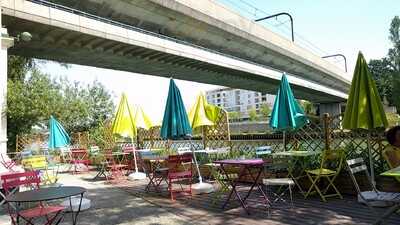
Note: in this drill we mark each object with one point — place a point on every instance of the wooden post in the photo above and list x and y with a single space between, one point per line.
326 121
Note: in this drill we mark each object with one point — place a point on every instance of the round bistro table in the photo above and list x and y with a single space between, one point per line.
48 194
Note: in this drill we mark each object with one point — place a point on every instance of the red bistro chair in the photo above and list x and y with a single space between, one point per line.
8 163
128 158
180 169
80 157
32 180
115 170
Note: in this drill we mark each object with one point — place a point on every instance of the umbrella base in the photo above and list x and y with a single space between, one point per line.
137 176
202 188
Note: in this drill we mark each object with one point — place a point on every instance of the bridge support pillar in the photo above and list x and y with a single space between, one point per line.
5 43
332 108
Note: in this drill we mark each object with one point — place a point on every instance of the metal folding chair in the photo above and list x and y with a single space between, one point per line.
79 158
31 179
277 184
331 165
357 166
49 175
180 169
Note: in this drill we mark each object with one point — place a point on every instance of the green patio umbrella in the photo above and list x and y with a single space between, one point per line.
175 124
287 115
364 109
58 137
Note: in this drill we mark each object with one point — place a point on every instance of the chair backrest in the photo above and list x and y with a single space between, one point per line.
263 151
356 166
183 150
128 148
80 154
392 157
177 163
94 149
332 159
35 162
13 180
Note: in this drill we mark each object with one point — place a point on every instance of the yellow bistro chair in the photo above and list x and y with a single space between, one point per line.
331 165
49 175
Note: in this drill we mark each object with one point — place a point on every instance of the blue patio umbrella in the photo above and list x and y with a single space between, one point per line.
58 137
287 115
175 124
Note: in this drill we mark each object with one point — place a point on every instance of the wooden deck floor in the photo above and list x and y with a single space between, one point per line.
206 209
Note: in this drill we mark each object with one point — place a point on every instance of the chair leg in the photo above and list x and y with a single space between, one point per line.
313 183
331 180
291 195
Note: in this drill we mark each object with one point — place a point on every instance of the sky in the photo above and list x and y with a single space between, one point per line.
334 26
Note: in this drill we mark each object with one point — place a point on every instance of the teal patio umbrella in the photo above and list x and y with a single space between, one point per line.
175 124
58 137
364 109
287 115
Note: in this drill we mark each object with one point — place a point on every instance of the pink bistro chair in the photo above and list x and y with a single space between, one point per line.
7 163
79 158
180 169
30 179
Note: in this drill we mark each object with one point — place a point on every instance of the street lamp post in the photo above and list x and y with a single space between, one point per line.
279 14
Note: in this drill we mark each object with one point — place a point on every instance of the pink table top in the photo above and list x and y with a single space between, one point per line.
247 162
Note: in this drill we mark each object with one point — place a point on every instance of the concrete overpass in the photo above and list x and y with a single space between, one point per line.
70 36
218 47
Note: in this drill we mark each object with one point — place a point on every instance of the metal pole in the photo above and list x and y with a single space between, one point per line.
341 55
279 14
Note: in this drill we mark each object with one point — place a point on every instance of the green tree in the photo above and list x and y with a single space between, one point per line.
386 71
253 116
265 111
308 107
34 96
234 115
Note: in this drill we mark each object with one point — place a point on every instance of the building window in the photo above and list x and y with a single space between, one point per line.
256 100
257 106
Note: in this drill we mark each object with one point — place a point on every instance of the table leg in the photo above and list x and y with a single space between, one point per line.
255 183
234 183
75 215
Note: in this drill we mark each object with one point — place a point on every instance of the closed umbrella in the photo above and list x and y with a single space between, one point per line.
58 137
124 125
142 120
202 114
287 115
175 124
364 109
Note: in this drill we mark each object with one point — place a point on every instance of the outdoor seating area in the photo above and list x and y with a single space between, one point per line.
300 176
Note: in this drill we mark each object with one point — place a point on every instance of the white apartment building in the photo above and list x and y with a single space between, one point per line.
237 100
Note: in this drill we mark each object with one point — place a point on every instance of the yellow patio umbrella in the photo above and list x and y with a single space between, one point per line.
142 120
202 114
124 121
198 115
124 125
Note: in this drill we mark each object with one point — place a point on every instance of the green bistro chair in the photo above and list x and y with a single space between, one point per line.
331 165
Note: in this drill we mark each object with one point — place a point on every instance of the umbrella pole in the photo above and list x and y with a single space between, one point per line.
136 175
195 161
371 163
134 156
284 140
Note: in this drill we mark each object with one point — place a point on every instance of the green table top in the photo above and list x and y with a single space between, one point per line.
395 172
296 153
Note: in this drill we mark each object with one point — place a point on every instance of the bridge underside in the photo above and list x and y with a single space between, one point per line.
52 43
